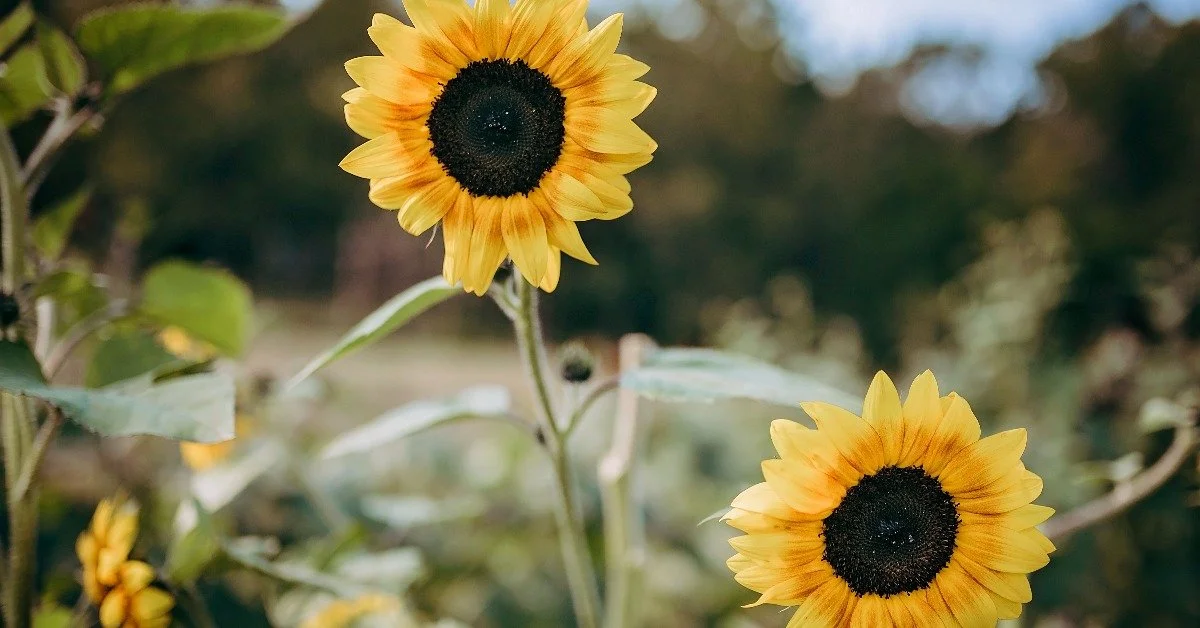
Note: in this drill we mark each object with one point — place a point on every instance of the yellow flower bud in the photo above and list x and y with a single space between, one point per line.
150 605
114 608
136 576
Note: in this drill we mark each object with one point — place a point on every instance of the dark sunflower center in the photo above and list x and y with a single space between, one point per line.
498 127
892 533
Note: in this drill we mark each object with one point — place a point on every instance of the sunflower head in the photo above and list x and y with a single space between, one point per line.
506 124
903 516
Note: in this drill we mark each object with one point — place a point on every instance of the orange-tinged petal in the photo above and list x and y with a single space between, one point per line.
391 81
957 429
606 130
427 206
825 608
492 25
568 18
487 246
779 550
447 26
882 410
585 59
530 18
1013 586
570 198
405 45
763 499
853 437
1001 549
970 603
525 236
394 192
563 233
983 462
794 441
553 270
922 413
870 612
456 236
803 487
380 158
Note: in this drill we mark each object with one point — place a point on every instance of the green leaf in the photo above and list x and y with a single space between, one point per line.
127 353
194 548
65 67
14 26
52 230
134 42
706 375
24 87
388 318
417 416
249 554
53 616
209 304
77 292
403 513
195 407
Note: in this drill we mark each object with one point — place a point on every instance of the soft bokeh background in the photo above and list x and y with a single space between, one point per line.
1008 193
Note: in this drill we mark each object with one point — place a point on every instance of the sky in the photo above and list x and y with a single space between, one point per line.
836 40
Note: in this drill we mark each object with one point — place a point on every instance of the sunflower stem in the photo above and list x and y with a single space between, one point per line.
624 529
577 559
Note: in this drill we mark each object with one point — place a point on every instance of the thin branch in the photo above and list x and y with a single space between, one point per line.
60 131
80 332
624 532
593 395
41 445
1125 494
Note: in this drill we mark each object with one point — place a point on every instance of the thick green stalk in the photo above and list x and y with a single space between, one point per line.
16 431
577 559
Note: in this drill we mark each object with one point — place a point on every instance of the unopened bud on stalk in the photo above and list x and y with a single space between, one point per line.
577 362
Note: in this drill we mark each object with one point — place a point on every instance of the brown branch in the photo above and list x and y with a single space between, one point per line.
1125 494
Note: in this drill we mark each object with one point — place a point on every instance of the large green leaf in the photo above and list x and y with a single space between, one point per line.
708 375
247 553
24 87
194 407
134 42
65 67
52 230
417 416
127 353
210 304
14 26
388 318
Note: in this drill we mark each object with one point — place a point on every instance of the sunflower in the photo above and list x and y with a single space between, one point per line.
506 124
902 517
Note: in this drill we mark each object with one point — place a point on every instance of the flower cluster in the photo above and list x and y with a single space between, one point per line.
120 587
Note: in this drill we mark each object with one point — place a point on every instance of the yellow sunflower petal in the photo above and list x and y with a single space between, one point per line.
393 192
1013 586
1008 499
606 130
853 437
621 163
571 198
525 236
568 18
763 499
795 441
379 158
624 68
970 603
563 233
937 612
780 550
825 608
391 81
870 612
614 200
984 462
883 411
1006 609
803 487
456 238
424 208
487 246
530 19
737 563
957 429
922 413
553 270
1041 540
447 27
585 60
404 44
629 98
1001 549
492 24
1027 516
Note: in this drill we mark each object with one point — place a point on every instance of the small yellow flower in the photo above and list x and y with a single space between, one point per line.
180 344
104 547
202 456
901 517
133 603
343 613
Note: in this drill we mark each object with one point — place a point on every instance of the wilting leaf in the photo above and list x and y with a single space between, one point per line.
209 304
417 416
196 407
134 42
388 318
708 375
52 230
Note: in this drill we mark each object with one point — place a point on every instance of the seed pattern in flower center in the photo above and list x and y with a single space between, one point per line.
498 127
892 533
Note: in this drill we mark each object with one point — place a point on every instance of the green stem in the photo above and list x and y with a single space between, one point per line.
577 559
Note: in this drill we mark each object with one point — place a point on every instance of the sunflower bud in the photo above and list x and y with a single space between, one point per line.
577 362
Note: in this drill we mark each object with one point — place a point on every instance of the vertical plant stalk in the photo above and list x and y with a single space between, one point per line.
16 433
624 529
577 559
